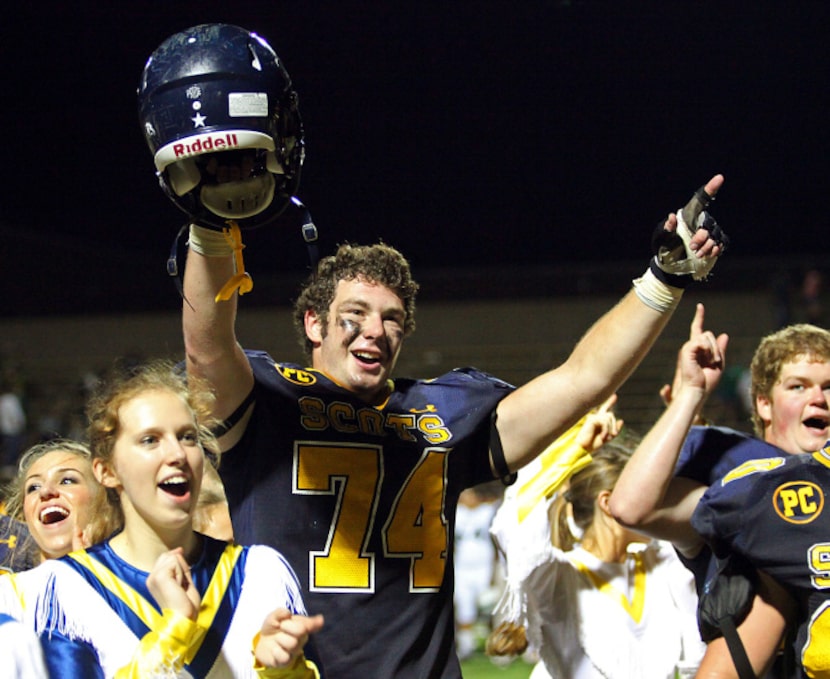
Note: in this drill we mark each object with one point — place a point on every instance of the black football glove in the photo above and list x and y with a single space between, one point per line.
674 263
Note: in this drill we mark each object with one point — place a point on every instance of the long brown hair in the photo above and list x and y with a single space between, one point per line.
583 489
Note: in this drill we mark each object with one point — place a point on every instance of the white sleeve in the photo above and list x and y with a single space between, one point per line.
21 649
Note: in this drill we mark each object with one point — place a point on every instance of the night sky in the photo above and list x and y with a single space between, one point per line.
465 133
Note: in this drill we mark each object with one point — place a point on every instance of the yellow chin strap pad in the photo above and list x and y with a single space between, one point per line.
241 280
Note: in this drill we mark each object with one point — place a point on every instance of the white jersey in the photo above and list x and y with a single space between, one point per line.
474 558
20 650
18 591
473 544
521 526
591 619
586 618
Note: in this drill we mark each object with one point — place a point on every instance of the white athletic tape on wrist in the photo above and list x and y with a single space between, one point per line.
208 242
655 293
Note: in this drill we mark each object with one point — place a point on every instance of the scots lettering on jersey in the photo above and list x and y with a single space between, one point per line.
205 142
317 415
798 501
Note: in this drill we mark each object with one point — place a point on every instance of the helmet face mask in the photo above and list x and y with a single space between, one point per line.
221 119
236 184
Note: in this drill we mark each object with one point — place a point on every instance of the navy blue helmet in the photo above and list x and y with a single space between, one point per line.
221 118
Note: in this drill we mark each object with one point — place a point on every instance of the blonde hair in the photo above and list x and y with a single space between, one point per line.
101 524
583 489
510 637
15 490
787 345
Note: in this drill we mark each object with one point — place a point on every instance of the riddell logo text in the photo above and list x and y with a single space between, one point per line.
208 142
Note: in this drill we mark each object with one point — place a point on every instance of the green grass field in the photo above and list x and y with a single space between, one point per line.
479 666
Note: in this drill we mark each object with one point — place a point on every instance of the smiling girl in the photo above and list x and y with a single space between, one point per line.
56 494
158 598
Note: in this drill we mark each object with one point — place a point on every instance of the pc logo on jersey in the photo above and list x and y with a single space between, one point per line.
304 378
798 501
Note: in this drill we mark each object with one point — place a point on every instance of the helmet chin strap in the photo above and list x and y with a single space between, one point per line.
309 232
241 279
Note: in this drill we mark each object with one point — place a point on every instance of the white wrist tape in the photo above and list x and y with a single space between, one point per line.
655 293
209 242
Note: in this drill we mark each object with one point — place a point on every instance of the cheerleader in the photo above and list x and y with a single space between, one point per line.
158 598
590 597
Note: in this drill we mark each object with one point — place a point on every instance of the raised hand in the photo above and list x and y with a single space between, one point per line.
171 585
80 540
601 425
703 357
690 240
283 636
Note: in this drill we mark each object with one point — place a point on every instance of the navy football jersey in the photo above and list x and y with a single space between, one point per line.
773 513
709 453
18 551
362 500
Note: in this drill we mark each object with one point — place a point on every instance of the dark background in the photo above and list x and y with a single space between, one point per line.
471 135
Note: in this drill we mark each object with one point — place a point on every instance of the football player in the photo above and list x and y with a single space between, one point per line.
354 474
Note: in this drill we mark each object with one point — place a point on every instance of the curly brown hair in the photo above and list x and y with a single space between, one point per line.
787 345
378 263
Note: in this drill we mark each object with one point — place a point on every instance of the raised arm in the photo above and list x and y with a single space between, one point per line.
647 496
212 350
534 415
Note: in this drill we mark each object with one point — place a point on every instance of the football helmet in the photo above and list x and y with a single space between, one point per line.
221 118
